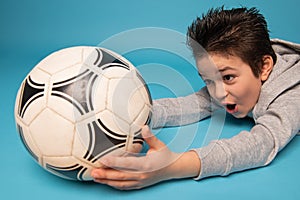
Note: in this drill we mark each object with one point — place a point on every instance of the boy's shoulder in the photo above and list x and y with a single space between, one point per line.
285 47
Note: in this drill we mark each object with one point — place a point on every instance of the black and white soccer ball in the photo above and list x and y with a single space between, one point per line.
79 104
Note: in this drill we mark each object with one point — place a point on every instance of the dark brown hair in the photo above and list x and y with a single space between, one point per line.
240 32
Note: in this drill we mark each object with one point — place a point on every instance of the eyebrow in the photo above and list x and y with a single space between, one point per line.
220 70
226 68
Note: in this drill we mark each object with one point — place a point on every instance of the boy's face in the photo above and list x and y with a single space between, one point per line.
231 83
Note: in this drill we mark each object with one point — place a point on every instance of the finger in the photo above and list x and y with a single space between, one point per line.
121 185
124 163
112 174
151 139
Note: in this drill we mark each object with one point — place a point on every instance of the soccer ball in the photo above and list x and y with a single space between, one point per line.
79 104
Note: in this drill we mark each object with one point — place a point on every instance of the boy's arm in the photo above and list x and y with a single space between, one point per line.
182 110
272 132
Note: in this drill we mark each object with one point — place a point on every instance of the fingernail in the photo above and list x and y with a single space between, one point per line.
93 174
146 131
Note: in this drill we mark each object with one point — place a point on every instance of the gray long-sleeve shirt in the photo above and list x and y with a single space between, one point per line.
276 116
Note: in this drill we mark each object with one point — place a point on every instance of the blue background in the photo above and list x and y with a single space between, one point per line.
30 30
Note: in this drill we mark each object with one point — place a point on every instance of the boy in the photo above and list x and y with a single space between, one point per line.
250 76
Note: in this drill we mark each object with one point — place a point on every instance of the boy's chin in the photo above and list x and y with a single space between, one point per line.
239 115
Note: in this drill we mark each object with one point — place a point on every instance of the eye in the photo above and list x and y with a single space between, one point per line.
228 78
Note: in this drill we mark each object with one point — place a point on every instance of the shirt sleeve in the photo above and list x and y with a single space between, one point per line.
182 110
258 147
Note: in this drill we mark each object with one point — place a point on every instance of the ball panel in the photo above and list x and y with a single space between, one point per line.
52 133
29 92
28 142
73 89
33 108
92 137
32 95
61 59
143 88
118 97
143 115
98 95
83 141
64 106
118 58
135 105
39 77
116 150
66 167
69 75
107 58
114 125
116 71
91 57
143 118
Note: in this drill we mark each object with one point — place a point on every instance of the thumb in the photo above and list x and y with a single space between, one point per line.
153 142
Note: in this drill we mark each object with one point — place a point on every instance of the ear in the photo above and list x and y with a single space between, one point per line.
267 67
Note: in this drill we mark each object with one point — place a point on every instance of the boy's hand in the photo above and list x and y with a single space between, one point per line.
157 165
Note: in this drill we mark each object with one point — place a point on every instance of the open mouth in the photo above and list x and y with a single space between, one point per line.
231 108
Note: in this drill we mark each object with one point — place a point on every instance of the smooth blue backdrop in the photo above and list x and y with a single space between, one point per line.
30 30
